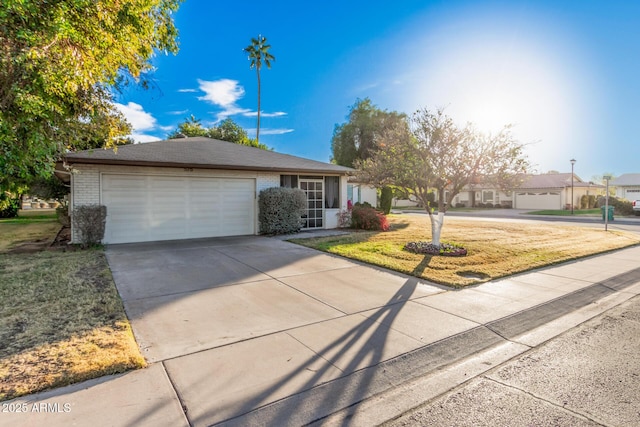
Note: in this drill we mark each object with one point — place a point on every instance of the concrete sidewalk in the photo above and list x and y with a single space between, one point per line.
369 338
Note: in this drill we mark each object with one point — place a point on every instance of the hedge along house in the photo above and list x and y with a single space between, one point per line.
195 187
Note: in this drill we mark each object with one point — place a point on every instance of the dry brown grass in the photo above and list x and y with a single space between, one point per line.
495 249
17 231
61 321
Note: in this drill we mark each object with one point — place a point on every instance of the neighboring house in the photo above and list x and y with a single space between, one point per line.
537 192
627 186
196 187
358 192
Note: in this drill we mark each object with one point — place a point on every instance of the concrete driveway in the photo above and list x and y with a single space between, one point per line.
188 296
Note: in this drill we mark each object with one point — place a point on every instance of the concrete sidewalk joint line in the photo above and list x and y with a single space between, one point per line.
564 408
176 392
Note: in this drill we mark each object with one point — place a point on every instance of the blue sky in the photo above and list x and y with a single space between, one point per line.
566 74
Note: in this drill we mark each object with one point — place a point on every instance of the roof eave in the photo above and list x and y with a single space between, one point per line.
119 162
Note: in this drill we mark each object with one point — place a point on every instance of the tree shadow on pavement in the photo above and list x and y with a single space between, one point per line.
371 352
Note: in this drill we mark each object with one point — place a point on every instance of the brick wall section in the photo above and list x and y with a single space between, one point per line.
267 180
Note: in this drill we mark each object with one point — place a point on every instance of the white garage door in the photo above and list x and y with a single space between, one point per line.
142 208
538 200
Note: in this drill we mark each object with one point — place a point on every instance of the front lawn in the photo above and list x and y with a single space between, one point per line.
566 212
495 249
61 318
34 231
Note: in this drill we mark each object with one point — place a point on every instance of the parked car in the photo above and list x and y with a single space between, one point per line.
636 207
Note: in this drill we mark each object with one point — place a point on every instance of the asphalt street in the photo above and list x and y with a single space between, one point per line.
588 376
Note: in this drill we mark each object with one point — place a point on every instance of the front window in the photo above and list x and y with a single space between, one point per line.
289 181
487 196
332 192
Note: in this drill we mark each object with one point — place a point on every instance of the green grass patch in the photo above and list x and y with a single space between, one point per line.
495 249
563 212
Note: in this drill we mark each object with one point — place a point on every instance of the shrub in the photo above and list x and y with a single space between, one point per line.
620 206
8 206
386 197
89 221
584 202
367 218
365 204
344 218
281 210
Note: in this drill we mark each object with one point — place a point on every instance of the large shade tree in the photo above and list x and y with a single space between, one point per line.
357 138
61 62
429 152
226 130
258 53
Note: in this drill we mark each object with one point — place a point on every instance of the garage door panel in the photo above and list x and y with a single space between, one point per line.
169 208
538 200
125 183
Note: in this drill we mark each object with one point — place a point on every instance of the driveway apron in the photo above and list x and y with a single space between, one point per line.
188 296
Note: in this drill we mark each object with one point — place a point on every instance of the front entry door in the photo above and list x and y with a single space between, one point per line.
314 191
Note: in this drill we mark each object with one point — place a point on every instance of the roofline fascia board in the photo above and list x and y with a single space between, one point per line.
71 161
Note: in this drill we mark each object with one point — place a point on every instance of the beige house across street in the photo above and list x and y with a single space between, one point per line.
537 192
196 187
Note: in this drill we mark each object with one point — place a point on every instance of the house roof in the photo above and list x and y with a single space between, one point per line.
626 179
549 180
205 153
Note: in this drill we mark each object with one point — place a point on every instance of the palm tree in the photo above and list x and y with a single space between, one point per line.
258 53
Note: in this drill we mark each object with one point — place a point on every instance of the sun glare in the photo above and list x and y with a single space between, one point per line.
497 70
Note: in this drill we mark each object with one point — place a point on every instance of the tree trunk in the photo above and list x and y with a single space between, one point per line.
437 221
258 128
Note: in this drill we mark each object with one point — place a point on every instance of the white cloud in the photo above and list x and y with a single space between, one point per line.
223 92
141 138
187 90
178 112
141 122
267 131
135 114
255 113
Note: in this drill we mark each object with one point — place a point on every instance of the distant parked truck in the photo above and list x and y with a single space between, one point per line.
636 207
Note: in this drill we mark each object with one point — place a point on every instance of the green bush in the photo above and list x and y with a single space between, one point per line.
588 202
367 218
89 222
620 206
8 206
281 210
386 197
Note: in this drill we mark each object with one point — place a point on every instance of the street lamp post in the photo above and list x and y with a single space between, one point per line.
606 203
573 162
